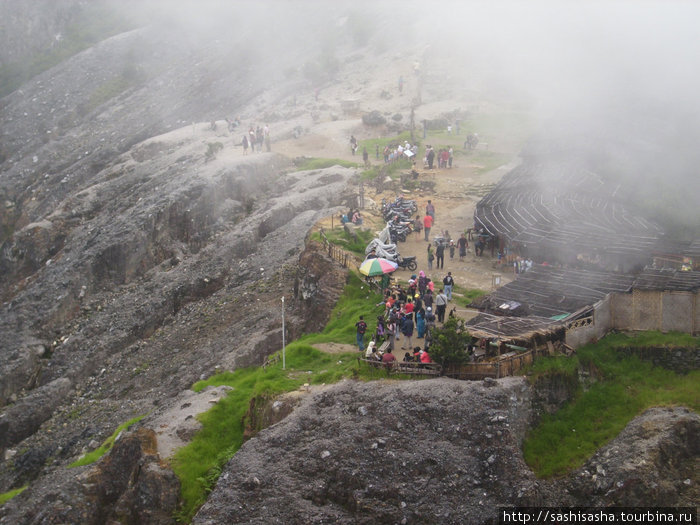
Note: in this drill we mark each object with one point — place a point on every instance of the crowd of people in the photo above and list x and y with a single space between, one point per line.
410 314
444 157
256 137
393 152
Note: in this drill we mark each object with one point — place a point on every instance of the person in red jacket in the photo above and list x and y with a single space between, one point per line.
427 224
425 357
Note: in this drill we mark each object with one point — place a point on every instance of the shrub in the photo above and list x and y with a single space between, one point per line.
449 345
212 149
373 118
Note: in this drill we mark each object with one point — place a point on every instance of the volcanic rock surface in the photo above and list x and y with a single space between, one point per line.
141 251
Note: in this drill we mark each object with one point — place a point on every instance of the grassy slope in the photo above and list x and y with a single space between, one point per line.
199 464
628 386
100 451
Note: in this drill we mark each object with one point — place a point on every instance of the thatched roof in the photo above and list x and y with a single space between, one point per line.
490 326
564 208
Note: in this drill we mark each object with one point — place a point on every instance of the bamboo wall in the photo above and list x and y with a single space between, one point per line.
641 310
654 310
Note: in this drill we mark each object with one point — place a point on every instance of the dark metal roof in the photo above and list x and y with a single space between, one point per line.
564 207
667 280
487 325
693 250
547 291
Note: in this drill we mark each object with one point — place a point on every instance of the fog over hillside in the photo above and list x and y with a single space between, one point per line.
143 248
623 73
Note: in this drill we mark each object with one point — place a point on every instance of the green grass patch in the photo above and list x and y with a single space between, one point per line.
199 464
341 238
384 169
392 169
100 451
485 161
382 142
626 387
7 496
551 366
464 296
315 163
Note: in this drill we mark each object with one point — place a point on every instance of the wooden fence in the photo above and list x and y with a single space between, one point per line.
505 365
338 254
347 259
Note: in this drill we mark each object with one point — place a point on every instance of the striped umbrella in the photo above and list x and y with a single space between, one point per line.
378 266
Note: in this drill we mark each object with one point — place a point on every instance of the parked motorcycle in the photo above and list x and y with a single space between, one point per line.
408 263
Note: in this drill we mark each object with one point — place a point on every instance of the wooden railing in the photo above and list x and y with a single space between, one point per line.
336 253
502 366
347 259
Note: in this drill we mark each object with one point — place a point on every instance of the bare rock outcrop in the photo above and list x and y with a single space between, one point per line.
129 486
26 416
439 450
655 461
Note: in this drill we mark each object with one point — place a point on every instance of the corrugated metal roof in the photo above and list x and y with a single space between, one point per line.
564 207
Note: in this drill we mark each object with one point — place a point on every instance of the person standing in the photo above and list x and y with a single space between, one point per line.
452 249
428 299
251 139
361 327
244 142
431 256
430 209
420 323
417 225
391 332
430 156
441 305
440 254
448 283
407 330
451 153
427 224
462 245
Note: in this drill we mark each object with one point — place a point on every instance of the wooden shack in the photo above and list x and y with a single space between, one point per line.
507 345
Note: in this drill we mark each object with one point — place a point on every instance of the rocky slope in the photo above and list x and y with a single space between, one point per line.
133 264
438 451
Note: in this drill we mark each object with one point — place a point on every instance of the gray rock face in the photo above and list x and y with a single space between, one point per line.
439 451
429 451
131 263
130 485
653 462
25 417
